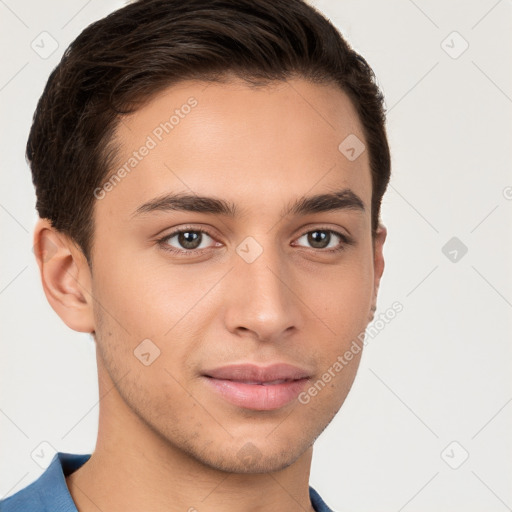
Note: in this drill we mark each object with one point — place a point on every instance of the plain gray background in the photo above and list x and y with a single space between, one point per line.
427 423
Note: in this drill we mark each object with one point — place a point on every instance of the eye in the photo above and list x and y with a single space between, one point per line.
186 240
326 240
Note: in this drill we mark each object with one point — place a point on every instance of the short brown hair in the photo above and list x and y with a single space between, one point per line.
127 57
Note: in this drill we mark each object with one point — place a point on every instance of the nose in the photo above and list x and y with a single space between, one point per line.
264 300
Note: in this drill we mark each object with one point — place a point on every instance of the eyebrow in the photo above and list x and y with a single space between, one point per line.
344 199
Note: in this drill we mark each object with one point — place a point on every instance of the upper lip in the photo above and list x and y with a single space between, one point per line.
255 373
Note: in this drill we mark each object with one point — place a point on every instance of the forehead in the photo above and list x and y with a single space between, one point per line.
253 145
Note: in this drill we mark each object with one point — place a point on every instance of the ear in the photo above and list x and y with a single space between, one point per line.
65 276
378 265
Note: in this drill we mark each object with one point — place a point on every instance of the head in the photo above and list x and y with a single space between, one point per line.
209 176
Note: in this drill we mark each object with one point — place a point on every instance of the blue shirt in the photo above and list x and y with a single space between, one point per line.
49 493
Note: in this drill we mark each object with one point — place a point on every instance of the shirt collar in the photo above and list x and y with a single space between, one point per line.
50 492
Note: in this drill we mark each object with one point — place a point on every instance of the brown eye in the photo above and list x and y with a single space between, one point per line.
189 239
186 240
319 239
324 240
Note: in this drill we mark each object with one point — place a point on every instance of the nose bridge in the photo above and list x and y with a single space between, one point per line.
262 298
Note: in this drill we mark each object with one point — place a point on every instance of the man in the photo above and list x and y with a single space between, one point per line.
209 177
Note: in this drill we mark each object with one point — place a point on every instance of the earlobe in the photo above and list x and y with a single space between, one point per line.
378 265
65 276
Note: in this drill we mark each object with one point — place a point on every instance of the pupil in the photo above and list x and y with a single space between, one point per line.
319 239
190 239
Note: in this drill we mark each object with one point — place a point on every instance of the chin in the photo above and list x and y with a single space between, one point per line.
249 459
261 465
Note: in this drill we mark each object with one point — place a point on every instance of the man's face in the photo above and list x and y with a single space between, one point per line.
226 305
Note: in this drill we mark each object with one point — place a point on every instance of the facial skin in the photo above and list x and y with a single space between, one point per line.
167 439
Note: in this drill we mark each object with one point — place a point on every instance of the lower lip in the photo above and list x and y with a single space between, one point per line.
257 396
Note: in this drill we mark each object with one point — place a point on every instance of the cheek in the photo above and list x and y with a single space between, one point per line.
172 309
146 301
344 295
155 392
344 304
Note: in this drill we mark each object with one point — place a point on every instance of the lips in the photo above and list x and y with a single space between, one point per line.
258 374
258 387
265 383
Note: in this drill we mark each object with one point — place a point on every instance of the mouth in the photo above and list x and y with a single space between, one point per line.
262 383
256 387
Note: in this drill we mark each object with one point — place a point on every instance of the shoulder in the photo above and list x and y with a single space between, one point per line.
49 493
26 500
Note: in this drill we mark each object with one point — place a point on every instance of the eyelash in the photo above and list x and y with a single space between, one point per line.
194 252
